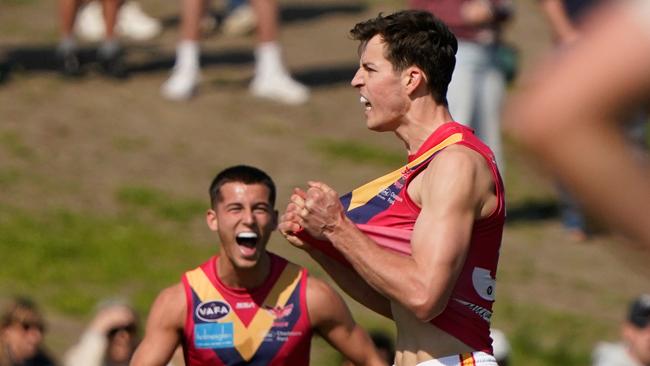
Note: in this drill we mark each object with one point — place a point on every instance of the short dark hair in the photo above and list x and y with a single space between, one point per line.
639 311
244 174
415 37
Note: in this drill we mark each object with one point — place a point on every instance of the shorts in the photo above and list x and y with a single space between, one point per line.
465 359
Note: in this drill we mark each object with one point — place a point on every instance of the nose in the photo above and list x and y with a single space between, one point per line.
357 80
248 218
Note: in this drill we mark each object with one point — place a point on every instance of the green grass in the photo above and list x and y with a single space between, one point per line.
70 261
540 336
356 152
12 143
160 203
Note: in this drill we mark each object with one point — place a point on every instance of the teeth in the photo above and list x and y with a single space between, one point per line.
247 235
363 100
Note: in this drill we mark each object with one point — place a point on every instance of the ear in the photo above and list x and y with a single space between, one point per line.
413 79
211 220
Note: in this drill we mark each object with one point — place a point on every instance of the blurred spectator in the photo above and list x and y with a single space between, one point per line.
572 111
384 345
478 83
109 340
634 350
500 347
271 80
132 22
21 340
109 53
564 18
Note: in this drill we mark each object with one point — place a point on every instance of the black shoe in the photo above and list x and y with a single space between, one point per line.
69 64
5 68
113 65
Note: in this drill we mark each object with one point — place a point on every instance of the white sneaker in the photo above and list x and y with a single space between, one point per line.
241 21
132 22
182 84
280 88
90 22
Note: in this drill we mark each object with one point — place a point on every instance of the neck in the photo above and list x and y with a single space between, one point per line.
250 277
422 119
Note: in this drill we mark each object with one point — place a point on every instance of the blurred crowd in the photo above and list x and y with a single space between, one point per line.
113 334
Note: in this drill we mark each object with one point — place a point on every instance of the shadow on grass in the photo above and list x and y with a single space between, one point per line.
151 58
289 13
533 210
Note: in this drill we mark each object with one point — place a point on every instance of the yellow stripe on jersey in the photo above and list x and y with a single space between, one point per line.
365 193
467 359
248 339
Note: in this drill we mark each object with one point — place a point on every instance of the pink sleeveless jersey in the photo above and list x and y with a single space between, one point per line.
383 210
268 325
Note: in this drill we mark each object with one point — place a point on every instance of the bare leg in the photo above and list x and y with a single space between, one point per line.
191 15
267 20
67 13
110 8
185 75
272 80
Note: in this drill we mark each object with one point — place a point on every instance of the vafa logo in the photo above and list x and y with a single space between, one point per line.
211 311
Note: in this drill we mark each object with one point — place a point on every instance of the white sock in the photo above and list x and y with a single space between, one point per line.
187 55
67 45
109 48
268 60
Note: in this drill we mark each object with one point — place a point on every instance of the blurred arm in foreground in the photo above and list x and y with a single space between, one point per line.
570 116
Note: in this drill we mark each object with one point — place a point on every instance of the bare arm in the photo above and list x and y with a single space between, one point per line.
331 318
164 327
422 282
570 118
564 31
346 278
92 346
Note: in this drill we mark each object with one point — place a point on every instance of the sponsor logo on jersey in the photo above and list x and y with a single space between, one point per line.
279 313
484 284
211 311
214 335
245 305
484 313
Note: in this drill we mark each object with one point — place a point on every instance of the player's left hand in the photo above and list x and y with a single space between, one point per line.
322 210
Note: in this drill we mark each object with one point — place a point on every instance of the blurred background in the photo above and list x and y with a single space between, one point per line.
104 183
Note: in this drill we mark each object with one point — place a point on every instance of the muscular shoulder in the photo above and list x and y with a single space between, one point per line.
170 306
319 291
323 302
457 171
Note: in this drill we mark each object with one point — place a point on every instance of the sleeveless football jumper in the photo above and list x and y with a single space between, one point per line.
267 325
383 210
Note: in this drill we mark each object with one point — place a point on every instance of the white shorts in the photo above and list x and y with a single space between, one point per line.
466 359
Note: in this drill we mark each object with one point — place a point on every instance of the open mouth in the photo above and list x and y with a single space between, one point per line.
365 103
247 242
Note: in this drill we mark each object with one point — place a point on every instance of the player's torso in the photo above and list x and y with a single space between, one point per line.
429 340
388 217
264 326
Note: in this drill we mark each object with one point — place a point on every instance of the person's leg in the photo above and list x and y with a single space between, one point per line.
461 94
110 52
67 50
272 80
110 8
491 93
67 13
185 75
